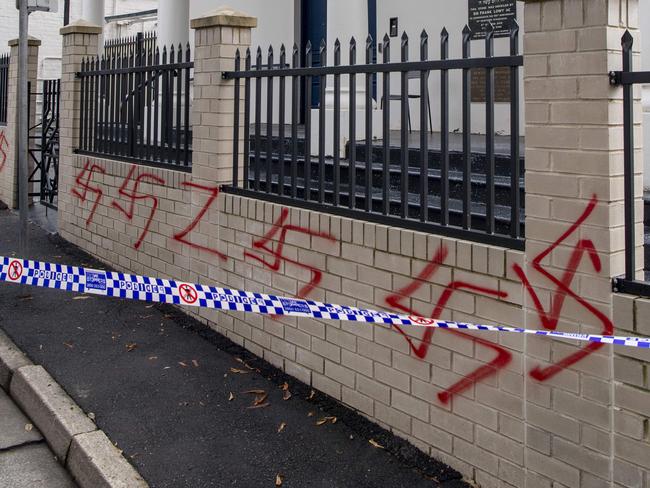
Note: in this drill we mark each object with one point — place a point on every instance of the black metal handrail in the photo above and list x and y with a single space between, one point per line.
4 87
386 185
627 79
137 107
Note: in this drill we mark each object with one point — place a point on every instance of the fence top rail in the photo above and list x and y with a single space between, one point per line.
432 65
135 69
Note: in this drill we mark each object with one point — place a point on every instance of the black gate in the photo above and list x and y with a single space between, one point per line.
44 145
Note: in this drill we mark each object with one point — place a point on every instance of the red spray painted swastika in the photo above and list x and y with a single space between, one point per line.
4 144
550 319
134 196
503 355
265 244
83 179
182 236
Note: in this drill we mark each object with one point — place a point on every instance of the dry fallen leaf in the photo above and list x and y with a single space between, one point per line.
29 427
195 363
131 346
238 371
279 479
286 395
25 298
182 364
376 444
311 414
258 406
255 392
260 399
284 386
282 426
324 420
69 345
231 397
311 395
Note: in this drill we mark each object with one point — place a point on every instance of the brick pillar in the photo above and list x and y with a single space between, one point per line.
9 143
80 40
218 36
574 152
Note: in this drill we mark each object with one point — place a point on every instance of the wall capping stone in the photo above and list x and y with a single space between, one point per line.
224 16
31 41
80 27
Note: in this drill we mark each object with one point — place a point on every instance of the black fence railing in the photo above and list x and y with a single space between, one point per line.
141 42
628 78
4 86
137 107
436 183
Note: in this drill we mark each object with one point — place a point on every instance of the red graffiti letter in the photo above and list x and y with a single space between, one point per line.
134 196
266 245
181 236
87 173
4 144
503 355
563 289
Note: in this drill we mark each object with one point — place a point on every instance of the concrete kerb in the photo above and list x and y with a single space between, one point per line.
85 450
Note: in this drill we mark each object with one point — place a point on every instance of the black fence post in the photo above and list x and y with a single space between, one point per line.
628 142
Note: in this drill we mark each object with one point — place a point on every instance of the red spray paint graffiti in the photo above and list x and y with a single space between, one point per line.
4 144
182 236
549 320
84 180
394 300
282 228
563 290
134 196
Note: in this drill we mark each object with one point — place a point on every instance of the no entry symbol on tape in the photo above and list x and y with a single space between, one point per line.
188 294
15 270
421 320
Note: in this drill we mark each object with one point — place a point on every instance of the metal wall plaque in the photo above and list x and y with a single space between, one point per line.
501 85
499 12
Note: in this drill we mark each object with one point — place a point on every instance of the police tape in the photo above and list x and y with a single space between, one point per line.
158 290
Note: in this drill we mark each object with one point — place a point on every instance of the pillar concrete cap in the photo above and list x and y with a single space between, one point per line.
31 41
224 16
81 26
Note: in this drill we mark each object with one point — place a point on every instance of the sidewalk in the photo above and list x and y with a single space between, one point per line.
25 459
172 394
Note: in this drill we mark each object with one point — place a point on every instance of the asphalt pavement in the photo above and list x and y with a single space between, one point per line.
188 407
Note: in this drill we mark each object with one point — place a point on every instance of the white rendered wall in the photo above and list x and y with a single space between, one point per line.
644 16
433 15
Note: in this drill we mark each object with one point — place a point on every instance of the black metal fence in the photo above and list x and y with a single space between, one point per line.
44 144
141 42
4 86
137 107
628 78
451 191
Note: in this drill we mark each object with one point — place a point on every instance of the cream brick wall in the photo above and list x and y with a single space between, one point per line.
632 396
8 140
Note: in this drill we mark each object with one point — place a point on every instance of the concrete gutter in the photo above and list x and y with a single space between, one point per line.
85 451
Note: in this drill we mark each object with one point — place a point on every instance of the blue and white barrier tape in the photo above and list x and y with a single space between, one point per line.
134 287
